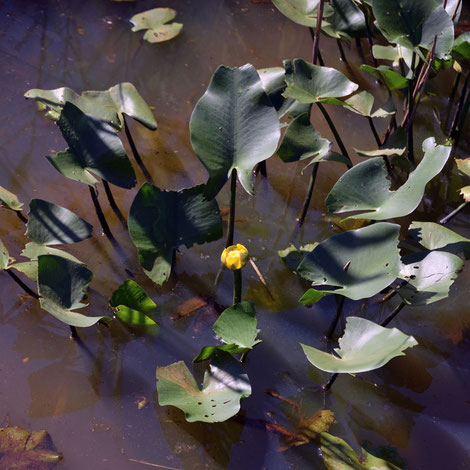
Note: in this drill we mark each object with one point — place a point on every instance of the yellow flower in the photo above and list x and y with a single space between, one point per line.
234 257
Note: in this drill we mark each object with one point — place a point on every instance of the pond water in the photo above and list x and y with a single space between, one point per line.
86 394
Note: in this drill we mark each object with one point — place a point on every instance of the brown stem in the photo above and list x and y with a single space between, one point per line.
393 314
316 39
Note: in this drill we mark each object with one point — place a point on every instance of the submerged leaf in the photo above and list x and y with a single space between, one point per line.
233 126
155 22
161 221
339 455
132 305
225 383
359 263
365 346
9 200
365 187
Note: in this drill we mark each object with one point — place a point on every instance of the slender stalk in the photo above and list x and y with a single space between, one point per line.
410 103
237 286
20 215
339 311
363 7
461 122
341 52
460 106
308 197
453 92
100 214
379 143
73 332
135 152
316 38
450 216
21 284
456 9
320 58
262 168
231 221
114 206
393 314
330 382
334 130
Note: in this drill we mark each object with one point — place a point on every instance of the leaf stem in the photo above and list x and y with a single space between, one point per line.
450 216
458 112
393 314
363 7
74 333
320 58
21 284
237 286
453 92
316 38
308 196
135 152
339 311
101 217
231 220
113 204
21 216
330 382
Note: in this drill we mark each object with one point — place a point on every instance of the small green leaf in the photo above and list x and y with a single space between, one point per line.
50 224
233 126
312 296
365 346
361 103
4 256
132 305
339 455
461 49
392 80
225 383
9 200
154 21
161 221
208 351
366 189
310 83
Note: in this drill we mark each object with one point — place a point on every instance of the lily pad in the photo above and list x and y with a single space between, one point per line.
292 256
358 263
225 383
132 305
94 146
365 346
339 455
347 20
9 200
362 103
161 221
24 450
155 22
429 276
69 165
108 105
61 286
233 126
310 83
366 189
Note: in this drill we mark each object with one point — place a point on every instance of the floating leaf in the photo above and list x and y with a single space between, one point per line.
24 450
9 200
225 383
392 80
61 285
395 145
132 305
161 221
463 166
361 103
4 256
154 21
365 346
303 12
67 164
365 187
108 105
310 83
233 126
94 146
359 263
339 455
429 276
414 24
292 256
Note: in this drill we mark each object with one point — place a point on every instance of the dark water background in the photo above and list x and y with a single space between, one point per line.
86 396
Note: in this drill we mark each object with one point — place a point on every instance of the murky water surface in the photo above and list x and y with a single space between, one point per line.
86 395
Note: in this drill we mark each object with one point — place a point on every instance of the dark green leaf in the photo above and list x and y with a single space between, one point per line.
160 221
392 80
233 126
208 351
347 20
225 383
154 21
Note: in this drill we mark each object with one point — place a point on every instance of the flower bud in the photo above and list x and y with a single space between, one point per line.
234 257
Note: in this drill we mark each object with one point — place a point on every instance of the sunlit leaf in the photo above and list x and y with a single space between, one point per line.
303 12
395 145
132 305
9 200
155 21
366 189
95 147
392 80
365 346
225 383
161 221
233 126
4 256
414 24
33 250
463 166
358 263
361 103
339 455
61 286
310 83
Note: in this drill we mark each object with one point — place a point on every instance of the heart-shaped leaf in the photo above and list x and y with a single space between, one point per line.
365 346
414 24
95 147
365 187
161 221
310 83
155 22
61 286
392 80
361 103
9 200
108 105
233 126
236 327
339 455
225 383
359 263
132 305
429 276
